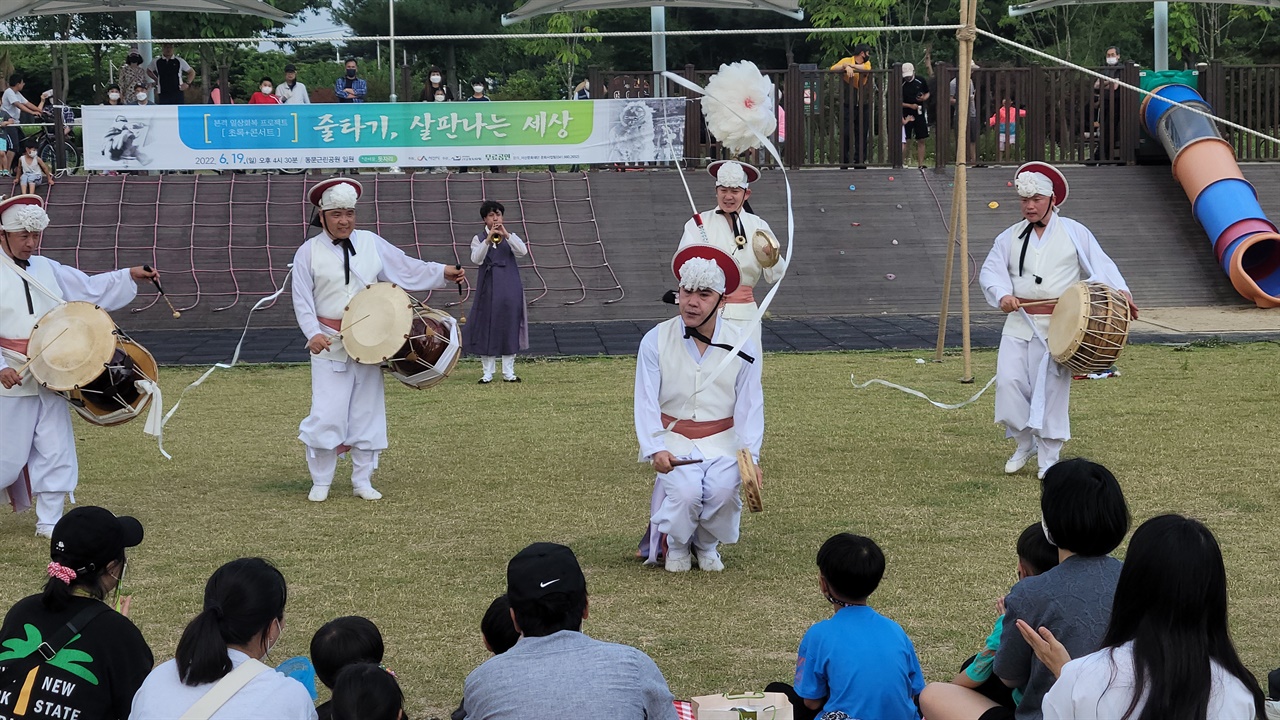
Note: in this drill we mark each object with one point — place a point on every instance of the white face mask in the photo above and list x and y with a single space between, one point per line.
31 153
113 95
1113 61
435 79
141 96
479 89
266 89
439 98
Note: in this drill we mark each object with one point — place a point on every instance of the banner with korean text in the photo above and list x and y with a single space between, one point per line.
263 137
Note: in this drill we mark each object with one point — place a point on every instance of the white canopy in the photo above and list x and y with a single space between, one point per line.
533 8
10 9
1034 5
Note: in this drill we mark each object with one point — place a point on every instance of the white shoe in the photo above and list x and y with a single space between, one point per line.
319 493
1019 459
710 561
1041 472
367 492
48 534
679 564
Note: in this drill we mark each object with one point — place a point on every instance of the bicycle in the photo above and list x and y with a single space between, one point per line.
47 142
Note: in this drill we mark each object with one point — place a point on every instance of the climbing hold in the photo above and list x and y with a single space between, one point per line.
895 242
852 187
890 276
890 178
993 204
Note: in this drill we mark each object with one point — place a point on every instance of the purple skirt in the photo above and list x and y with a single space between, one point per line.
498 323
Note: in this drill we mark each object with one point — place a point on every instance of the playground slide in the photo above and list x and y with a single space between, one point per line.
1225 204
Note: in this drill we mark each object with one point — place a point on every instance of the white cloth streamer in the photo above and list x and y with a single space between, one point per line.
155 415
917 393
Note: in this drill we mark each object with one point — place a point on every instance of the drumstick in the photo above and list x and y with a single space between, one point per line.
32 359
156 281
459 267
353 324
1038 302
690 461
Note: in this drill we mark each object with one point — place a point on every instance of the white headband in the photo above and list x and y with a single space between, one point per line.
701 274
1030 184
31 218
339 197
731 175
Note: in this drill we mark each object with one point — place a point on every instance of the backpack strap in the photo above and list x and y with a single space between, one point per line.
14 672
225 689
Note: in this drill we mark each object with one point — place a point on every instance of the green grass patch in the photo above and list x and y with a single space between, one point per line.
475 473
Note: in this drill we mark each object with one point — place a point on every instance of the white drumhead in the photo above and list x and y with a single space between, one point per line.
71 345
376 322
1067 324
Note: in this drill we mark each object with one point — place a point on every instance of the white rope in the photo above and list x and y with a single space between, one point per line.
494 36
1140 91
917 393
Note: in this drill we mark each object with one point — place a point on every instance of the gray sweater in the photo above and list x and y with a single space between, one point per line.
1073 600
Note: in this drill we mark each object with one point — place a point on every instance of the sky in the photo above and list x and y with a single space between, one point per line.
315 23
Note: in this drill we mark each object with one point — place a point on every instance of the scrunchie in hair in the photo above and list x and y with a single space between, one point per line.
61 572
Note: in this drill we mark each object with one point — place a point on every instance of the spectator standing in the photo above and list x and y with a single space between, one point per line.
34 170
1005 120
99 663
857 116
858 662
478 87
1108 105
140 95
13 103
133 72
350 88
263 95
242 620
5 142
173 76
292 92
555 670
435 87
973 111
915 91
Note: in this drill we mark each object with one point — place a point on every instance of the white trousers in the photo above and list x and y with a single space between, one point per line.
699 504
488 363
1032 400
348 407
35 432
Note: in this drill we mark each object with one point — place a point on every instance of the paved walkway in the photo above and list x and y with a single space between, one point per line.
622 337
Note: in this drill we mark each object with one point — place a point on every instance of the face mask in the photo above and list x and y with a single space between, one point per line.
141 96
351 73
266 89
113 95
1113 61
439 98
435 79
479 89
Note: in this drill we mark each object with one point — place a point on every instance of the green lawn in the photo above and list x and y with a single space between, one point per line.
475 473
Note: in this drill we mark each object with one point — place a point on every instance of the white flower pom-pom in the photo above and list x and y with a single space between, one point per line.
1030 184
339 197
740 105
701 274
31 218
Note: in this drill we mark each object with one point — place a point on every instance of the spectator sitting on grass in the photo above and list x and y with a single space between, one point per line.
365 691
499 634
857 662
340 643
972 692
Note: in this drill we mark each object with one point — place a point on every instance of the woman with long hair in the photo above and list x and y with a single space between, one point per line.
68 648
217 666
1166 654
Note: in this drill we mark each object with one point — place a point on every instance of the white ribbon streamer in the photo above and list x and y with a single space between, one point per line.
235 357
155 415
917 393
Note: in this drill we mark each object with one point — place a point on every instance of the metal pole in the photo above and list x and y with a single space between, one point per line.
144 33
1161 36
391 66
658 24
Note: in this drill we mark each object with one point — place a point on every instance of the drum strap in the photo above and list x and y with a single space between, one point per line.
20 266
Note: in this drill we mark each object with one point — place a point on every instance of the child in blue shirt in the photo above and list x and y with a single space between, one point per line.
857 662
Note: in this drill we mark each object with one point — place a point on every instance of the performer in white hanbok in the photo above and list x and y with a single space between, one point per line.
733 229
348 410
1038 258
683 414
35 423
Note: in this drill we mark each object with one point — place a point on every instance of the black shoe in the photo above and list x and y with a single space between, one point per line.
514 379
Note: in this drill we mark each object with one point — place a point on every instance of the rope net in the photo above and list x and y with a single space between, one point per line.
223 242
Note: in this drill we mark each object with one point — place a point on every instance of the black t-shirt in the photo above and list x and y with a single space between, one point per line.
169 75
93 677
911 91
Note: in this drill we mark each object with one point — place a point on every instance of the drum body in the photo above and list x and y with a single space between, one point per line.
430 352
1089 327
114 397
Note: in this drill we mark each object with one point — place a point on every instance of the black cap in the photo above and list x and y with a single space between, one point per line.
1273 684
88 537
542 569
290 68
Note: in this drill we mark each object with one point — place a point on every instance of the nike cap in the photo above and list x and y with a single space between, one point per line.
542 569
